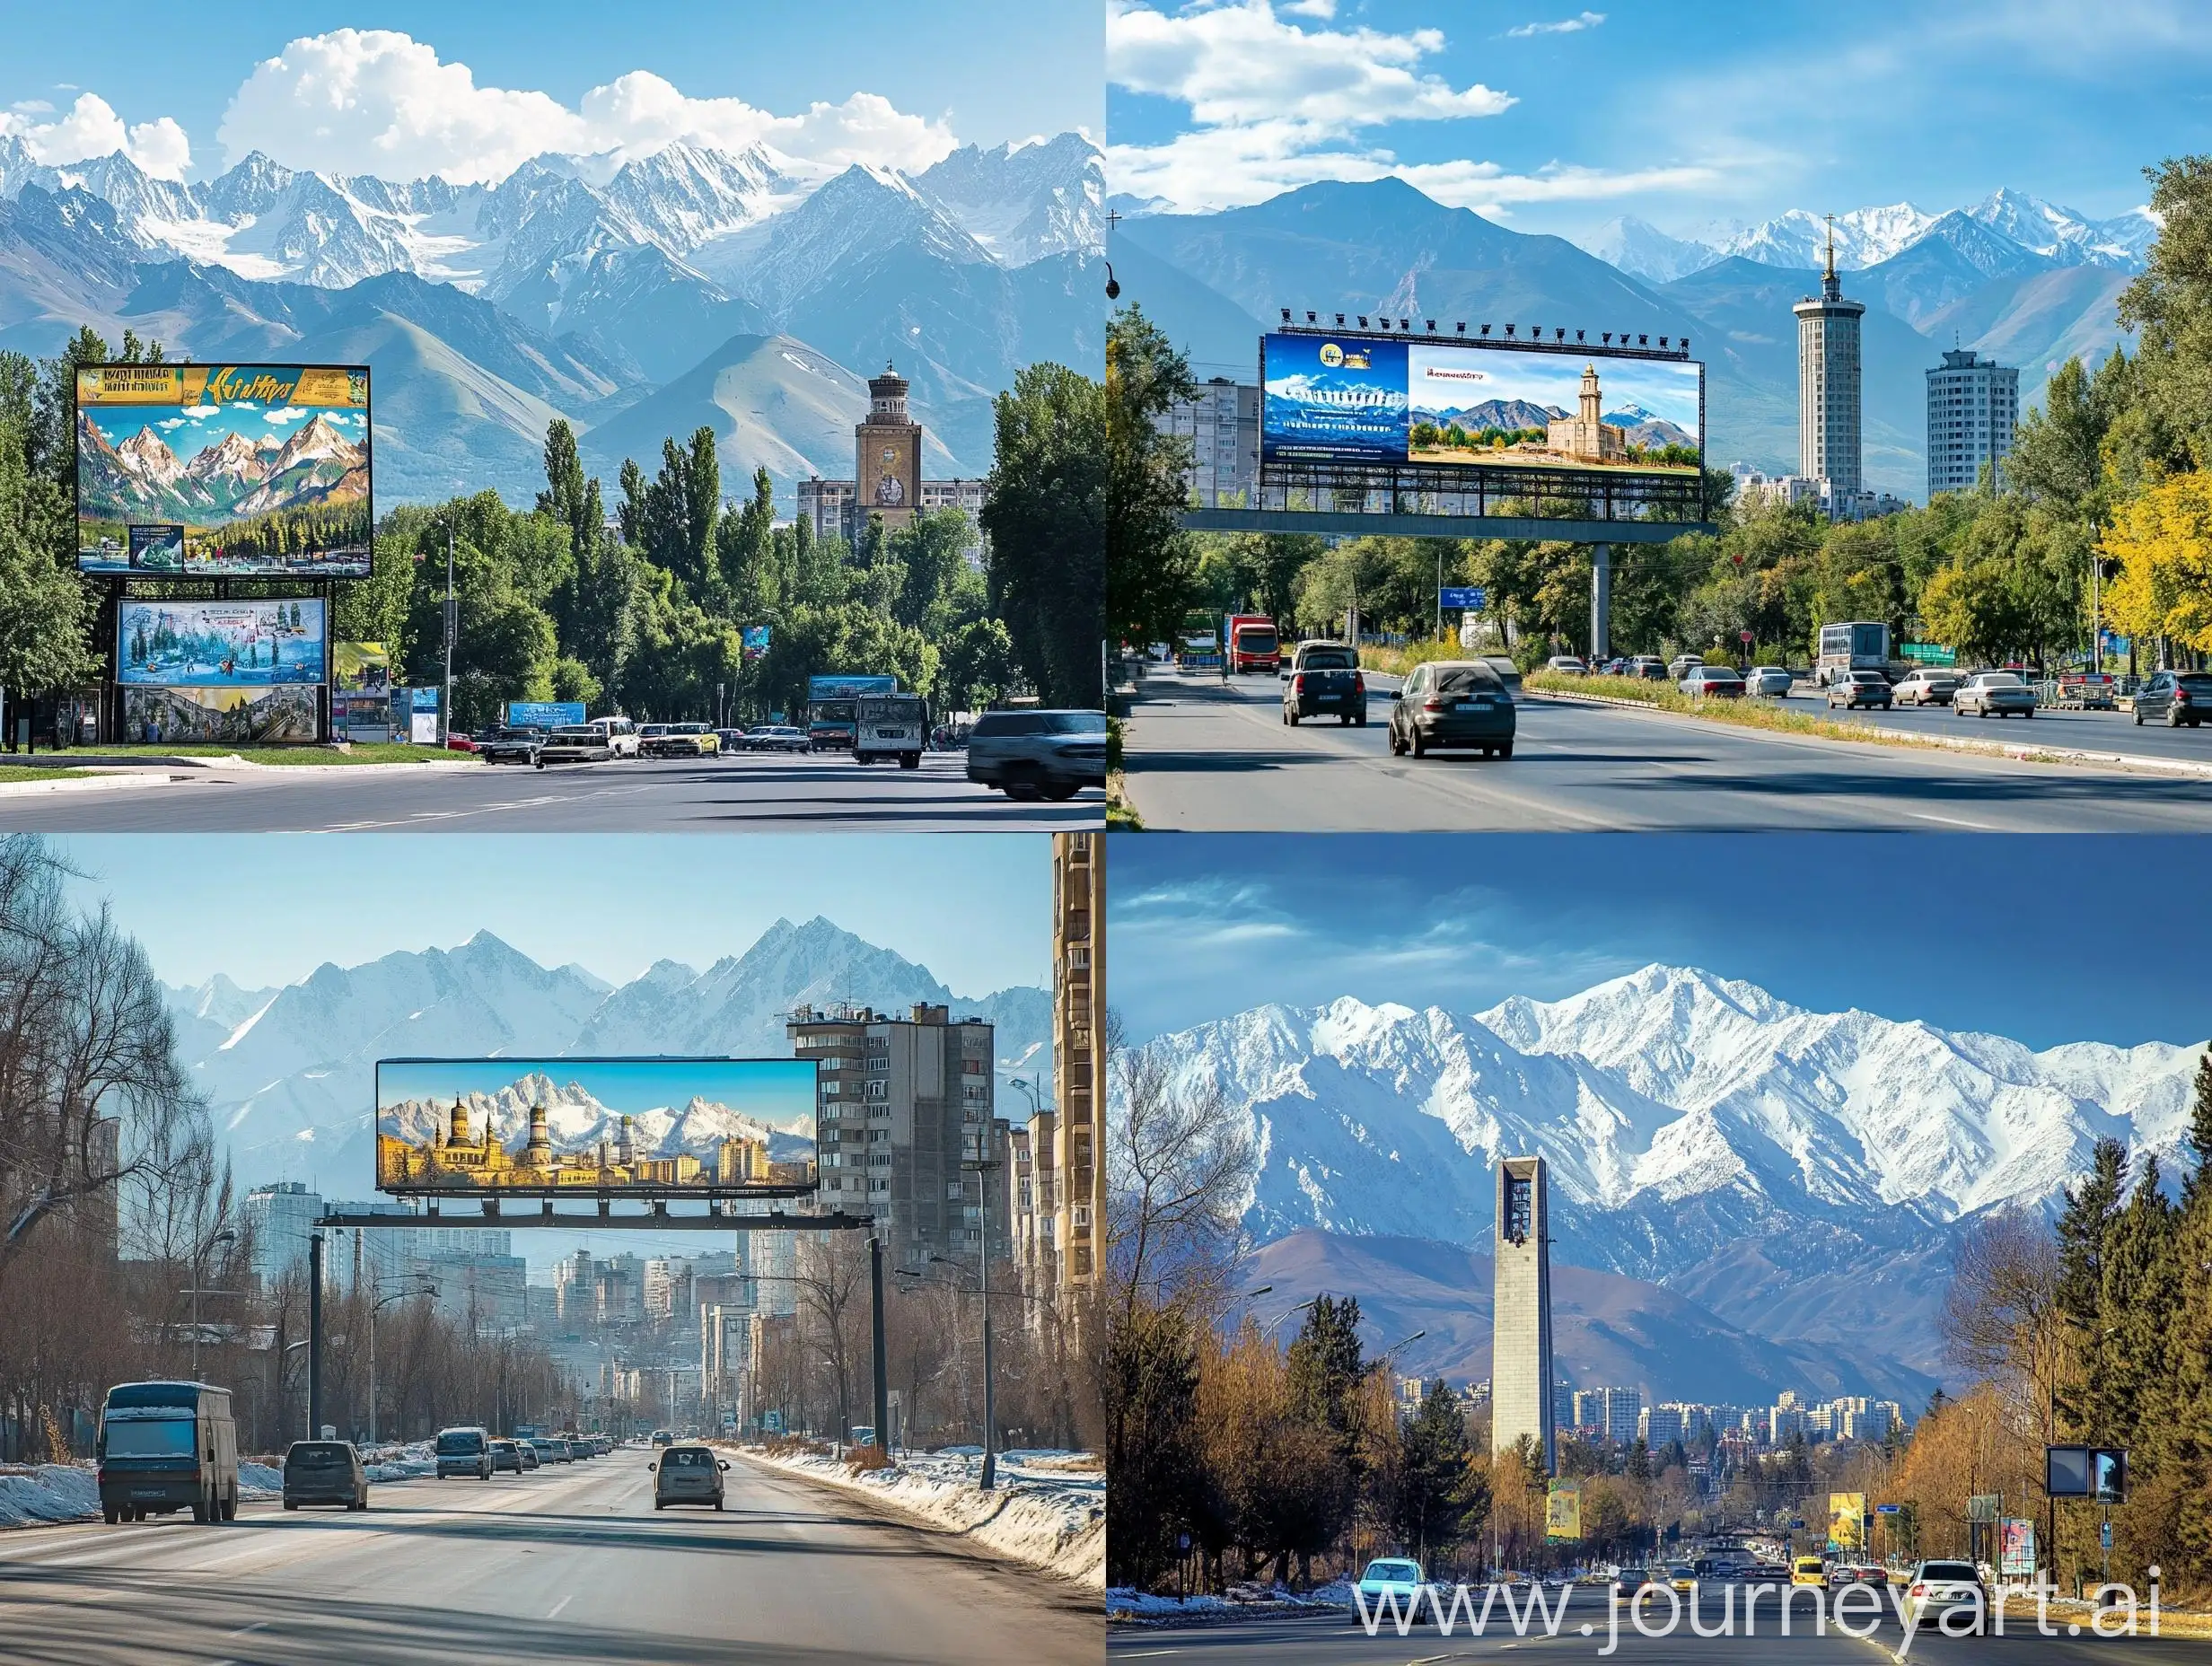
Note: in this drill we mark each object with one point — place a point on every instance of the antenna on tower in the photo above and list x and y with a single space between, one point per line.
1832 246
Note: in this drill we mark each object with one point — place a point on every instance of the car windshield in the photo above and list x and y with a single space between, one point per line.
1948 1570
575 737
2000 679
2194 679
156 1437
1393 1569
315 1455
654 729
460 1444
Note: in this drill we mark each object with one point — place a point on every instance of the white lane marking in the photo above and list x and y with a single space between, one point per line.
563 1603
1953 821
246 1630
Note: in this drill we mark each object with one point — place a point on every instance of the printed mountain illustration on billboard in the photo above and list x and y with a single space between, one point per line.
1648 429
1507 414
139 479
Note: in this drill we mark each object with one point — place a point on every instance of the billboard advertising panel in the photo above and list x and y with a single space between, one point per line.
1442 403
1563 1513
220 645
264 716
1846 1516
222 470
496 1128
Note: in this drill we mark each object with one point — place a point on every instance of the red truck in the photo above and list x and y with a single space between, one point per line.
1249 640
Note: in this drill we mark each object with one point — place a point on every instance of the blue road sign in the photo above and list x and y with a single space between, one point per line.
2104 1535
1470 598
1886 1509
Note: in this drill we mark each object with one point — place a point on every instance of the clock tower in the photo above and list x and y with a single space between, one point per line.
889 454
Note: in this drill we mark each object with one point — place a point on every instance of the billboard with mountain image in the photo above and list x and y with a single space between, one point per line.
221 644
222 470
541 1127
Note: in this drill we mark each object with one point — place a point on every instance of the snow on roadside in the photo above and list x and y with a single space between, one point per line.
48 1491
1123 1603
1048 1509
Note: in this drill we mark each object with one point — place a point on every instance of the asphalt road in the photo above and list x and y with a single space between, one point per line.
747 792
1201 757
1340 1640
557 1565
2092 731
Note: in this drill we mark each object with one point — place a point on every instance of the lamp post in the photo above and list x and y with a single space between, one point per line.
421 1287
199 1262
985 1166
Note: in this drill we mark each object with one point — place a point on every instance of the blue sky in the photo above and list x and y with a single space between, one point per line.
1554 117
269 908
777 1092
404 88
2041 940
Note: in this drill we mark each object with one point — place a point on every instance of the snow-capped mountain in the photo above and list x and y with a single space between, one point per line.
2066 236
1679 1112
1799 238
1642 249
289 1072
575 1120
1025 202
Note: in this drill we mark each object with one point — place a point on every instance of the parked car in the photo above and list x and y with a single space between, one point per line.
1716 681
511 746
1392 1577
1772 681
543 1446
1566 665
679 741
1942 1588
1851 690
621 735
649 739
527 1451
1648 667
506 1456
1993 693
1926 685
460 743
562 1451
729 740
465 1450
685 1473
1452 703
1324 680
2174 698
1038 753
585 745
1679 666
324 1472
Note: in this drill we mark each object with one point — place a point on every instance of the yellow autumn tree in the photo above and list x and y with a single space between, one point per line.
2163 541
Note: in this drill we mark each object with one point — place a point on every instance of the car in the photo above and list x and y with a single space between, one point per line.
1679 666
543 1446
731 741
1941 1588
506 1456
1648 668
1772 681
1808 1571
1870 1573
1566 665
584 745
1038 753
1632 1580
1850 689
1616 668
464 1450
1994 694
324 1472
1683 1578
686 741
687 1472
511 746
1926 685
2174 698
662 1437
621 735
1716 681
527 1451
457 743
1324 680
775 738
1452 703
649 739
1397 1577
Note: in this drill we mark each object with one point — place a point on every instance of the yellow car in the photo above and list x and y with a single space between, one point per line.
682 741
1808 1571
1683 1579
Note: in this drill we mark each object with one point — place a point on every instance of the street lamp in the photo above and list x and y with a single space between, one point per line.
985 1166
421 1287
199 1262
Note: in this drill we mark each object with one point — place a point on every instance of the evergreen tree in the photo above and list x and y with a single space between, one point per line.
2198 1181
1440 1496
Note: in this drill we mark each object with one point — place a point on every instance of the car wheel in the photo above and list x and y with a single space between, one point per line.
291 1503
660 1503
717 1503
112 1514
2173 717
1505 748
1421 747
911 760
1392 736
1344 720
1059 792
1290 717
2138 717
230 1506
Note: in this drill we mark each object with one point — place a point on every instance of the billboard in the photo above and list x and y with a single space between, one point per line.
1847 1514
363 666
1433 402
2016 1554
848 688
545 713
1563 1513
260 717
223 471
538 1127
220 645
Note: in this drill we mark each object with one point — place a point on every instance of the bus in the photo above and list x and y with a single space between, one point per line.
891 726
1861 646
832 719
165 1447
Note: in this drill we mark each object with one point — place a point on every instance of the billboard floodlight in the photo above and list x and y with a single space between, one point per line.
1340 320
1405 323
1662 341
1509 329
1432 325
1559 335
1643 341
1606 336
1285 315
1578 335
1685 344
1309 317
1485 329
1362 320
1461 325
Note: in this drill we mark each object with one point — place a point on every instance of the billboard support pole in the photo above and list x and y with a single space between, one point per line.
314 1335
1600 600
452 621
883 1367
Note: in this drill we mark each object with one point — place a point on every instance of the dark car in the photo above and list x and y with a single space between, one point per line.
1854 688
584 745
1324 680
324 1472
2174 698
1452 703
506 1456
511 746
1039 754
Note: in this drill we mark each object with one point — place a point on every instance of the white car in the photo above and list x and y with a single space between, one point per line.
1942 1588
621 734
1926 685
1998 694
1566 665
1770 680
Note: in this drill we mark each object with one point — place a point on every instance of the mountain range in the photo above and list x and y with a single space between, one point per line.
575 1120
289 1072
1801 1176
2012 276
140 479
575 288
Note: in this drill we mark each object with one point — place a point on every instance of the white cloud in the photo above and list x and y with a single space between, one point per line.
1569 26
290 413
198 412
91 129
1312 8
174 422
378 100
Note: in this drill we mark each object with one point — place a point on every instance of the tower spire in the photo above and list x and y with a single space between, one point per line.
1831 273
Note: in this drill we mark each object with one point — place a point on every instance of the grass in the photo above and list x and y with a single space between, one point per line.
1121 814
10 774
1398 662
361 752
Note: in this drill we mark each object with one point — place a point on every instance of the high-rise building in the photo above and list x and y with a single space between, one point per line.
1828 382
1624 1415
1973 404
1661 1425
1222 422
1520 1373
279 1220
1078 1131
902 1104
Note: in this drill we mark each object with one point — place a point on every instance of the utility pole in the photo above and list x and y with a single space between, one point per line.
314 1335
984 1166
883 1367
199 1265
452 626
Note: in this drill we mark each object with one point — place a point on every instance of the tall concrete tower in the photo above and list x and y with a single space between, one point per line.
1828 381
1521 1310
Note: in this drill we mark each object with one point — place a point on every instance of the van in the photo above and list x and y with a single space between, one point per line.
164 1447
621 734
465 1450
891 726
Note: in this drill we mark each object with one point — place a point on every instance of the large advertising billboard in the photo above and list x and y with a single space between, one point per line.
1386 401
539 1127
280 717
223 471
220 645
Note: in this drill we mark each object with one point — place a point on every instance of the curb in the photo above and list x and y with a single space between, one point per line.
81 783
2021 753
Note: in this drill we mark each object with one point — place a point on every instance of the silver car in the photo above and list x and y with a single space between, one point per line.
1998 694
1940 1589
687 1473
1926 685
1770 680
1039 754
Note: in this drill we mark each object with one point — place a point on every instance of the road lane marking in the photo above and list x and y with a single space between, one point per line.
563 1603
245 1630
1953 821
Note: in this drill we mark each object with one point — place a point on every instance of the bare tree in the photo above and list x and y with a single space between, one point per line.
2000 1319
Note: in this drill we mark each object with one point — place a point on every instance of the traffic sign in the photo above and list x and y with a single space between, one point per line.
2105 1534
1744 636
1887 1509
1984 1506
1468 598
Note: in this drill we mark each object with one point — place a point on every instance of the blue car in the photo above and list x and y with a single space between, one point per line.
1392 1577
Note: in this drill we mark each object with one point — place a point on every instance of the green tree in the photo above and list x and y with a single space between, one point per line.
2170 303
1047 522
1441 1497
1151 564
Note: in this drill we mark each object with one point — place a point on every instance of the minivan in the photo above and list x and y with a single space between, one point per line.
324 1472
164 1447
464 1451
